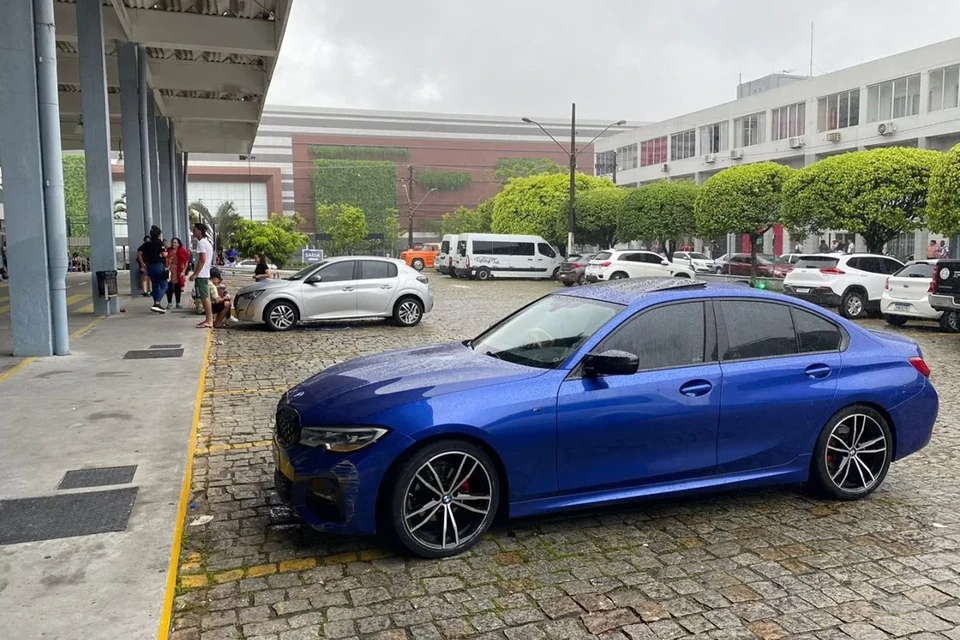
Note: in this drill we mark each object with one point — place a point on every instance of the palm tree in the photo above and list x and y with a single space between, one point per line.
222 224
120 208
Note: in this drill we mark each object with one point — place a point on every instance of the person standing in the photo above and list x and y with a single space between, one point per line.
942 251
262 271
932 250
824 247
851 247
201 273
177 260
152 257
144 278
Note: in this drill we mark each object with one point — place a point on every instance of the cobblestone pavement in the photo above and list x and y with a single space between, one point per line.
768 564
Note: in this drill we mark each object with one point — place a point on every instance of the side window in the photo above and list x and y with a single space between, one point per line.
337 272
890 266
377 270
525 249
631 257
651 258
546 250
672 335
756 330
461 247
814 333
482 247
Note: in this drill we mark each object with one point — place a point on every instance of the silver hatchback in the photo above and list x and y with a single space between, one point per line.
338 289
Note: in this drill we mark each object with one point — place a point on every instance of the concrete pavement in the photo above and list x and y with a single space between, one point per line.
96 409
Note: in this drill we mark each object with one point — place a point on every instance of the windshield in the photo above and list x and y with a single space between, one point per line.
307 270
697 256
547 332
445 246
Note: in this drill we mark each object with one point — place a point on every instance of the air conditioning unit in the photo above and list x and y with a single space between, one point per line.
886 128
796 143
736 154
665 168
710 158
834 136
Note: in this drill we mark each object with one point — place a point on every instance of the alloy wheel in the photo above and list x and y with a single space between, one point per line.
854 306
282 317
409 312
856 453
448 501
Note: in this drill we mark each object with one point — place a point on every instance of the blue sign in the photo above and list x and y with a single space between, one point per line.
311 256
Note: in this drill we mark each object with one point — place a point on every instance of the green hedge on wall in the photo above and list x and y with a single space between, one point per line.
339 152
368 185
443 180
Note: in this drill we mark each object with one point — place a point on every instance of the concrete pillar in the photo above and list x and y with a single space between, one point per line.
155 189
30 315
132 158
144 99
164 176
768 241
186 187
787 241
921 237
96 147
177 228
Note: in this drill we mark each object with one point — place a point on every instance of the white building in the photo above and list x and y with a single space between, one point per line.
910 99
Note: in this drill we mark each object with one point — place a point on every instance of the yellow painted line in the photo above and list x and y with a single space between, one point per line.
9 373
166 612
78 297
84 309
243 392
4 308
90 325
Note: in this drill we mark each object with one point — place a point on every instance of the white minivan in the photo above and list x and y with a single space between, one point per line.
443 263
488 255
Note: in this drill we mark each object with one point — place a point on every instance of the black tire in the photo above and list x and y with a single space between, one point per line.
834 473
556 272
681 274
483 274
417 264
895 321
853 305
582 280
567 284
281 315
950 321
408 312
619 275
407 491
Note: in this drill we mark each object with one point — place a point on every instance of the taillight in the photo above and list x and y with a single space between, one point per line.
886 284
935 281
606 264
450 263
468 262
575 265
920 366
832 271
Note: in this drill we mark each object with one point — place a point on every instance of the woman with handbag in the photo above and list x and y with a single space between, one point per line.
177 260
152 257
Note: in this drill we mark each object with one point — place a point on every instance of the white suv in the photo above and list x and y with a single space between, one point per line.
616 265
852 282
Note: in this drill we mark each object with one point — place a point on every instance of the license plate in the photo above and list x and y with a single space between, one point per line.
901 307
803 290
593 268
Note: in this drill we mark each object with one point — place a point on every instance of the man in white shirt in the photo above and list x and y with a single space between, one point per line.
201 274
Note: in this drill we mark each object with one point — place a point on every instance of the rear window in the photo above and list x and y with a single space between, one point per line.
916 271
816 262
603 255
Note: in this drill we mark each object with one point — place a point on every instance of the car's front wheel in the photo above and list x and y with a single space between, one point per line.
408 312
950 321
853 305
444 498
417 264
852 454
895 321
281 316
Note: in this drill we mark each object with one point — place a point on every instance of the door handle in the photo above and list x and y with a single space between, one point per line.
817 371
696 388
347 289
386 286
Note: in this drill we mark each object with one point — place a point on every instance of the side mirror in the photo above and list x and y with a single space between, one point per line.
314 279
664 262
610 363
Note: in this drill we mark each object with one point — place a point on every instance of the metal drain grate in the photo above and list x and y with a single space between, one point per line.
101 477
166 346
153 353
65 515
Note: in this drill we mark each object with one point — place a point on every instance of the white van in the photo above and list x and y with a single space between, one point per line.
488 255
443 263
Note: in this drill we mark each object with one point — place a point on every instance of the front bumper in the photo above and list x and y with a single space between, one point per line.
920 309
823 296
247 310
944 303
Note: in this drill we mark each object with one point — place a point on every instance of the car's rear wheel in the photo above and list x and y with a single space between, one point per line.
950 321
896 321
582 280
444 498
556 272
567 283
619 275
408 312
483 273
852 454
853 305
281 316
417 264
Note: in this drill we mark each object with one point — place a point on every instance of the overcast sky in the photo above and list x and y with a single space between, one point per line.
633 59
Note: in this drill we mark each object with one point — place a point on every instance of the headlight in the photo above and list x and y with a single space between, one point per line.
341 439
252 295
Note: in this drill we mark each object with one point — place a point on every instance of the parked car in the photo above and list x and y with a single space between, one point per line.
344 288
487 255
945 293
740 264
443 262
421 258
699 262
539 413
617 265
719 262
853 282
905 297
790 258
573 269
252 264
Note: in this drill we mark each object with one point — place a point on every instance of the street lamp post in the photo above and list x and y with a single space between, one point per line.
248 158
573 153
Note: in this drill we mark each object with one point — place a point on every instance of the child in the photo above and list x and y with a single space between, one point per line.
219 299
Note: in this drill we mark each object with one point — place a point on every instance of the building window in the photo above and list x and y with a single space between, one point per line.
605 162
944 85
788 122
748 130
713 138
627 157
653 152
839 111
893 99
683 145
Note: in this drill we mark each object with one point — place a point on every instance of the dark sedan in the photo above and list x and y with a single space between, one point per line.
572 270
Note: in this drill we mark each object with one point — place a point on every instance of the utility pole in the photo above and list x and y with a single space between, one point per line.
410 206
573 176
614 166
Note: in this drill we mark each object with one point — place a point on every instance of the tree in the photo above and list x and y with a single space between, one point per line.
75 194
534 205
508 168
279 237
223 223
879 194
464 220
349 229
120 208
943 208
746 199
662 211
598 215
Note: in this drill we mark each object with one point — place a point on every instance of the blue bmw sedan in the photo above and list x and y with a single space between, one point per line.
594 395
